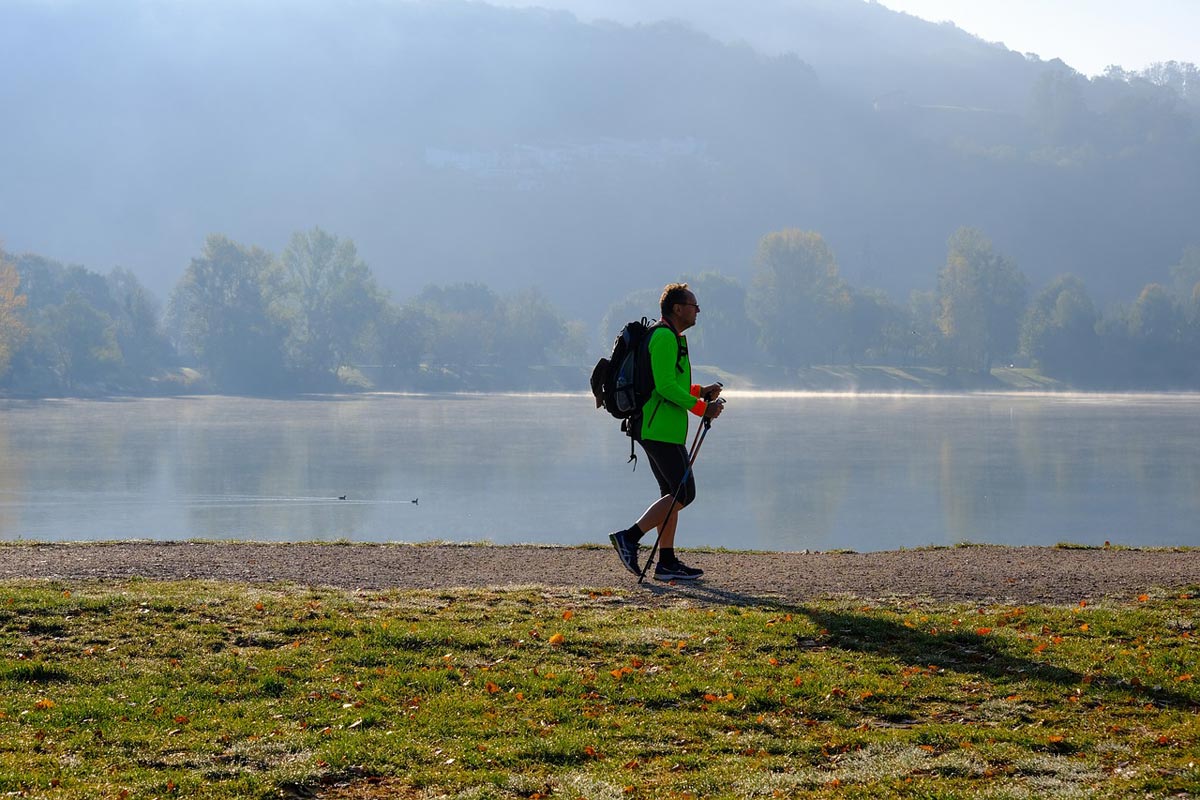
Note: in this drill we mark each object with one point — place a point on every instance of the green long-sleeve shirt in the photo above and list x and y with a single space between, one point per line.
664 417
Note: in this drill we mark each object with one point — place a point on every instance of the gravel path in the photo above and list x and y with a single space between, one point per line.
975 574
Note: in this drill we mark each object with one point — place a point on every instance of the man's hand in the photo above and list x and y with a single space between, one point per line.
710 392
714 409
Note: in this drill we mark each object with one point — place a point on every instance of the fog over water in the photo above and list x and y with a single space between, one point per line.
778 471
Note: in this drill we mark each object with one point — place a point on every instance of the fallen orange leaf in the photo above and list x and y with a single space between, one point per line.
1143 598
983 631
556 639
492 688
568 614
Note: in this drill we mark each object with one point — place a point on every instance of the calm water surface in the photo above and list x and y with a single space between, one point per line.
778 472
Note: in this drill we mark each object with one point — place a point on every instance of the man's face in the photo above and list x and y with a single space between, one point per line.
687 310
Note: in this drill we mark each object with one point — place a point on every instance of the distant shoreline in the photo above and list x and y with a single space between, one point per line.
833 379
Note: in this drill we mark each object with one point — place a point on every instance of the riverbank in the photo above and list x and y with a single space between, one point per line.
978 574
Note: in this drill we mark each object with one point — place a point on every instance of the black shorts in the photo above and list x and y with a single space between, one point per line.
669 463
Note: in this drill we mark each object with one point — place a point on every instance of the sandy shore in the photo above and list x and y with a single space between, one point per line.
975 574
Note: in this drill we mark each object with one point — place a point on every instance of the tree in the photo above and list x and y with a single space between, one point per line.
139 330
1185 276
724 335
401 335
1154 318
327 299
1156 327
1058 330
467 319
221 311
635 305
1057 108
530 331
12 330
982 295
82 343
797 297
874 323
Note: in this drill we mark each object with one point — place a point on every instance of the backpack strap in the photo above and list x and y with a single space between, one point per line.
662 323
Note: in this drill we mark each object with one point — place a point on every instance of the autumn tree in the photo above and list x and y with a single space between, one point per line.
12 330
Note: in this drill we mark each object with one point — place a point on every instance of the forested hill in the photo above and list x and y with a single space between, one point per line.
456 142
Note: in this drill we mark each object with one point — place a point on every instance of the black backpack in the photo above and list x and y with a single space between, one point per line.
616 380
622 383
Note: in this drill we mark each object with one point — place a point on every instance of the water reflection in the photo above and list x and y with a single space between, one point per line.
776 472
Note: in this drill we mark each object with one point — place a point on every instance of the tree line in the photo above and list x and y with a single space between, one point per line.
244 320
313 318
798 311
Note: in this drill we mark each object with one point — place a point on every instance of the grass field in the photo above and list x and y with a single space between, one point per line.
218 690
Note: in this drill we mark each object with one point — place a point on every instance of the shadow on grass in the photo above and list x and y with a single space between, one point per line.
958 651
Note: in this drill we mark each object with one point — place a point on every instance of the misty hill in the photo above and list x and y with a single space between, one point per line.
455 141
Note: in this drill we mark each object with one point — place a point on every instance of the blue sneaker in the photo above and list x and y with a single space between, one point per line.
677 571
626 547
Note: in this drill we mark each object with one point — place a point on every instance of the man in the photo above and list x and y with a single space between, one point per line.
662 433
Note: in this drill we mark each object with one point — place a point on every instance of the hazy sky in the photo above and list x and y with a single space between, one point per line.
1087 34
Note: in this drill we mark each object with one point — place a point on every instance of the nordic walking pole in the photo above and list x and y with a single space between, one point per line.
701 432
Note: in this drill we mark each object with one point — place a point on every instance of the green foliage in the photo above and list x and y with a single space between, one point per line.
139 331
633 306
798 297
222 311
724 333
1186 274
12 330
326 299
470 325
82 342
86 332
1059 330
982 296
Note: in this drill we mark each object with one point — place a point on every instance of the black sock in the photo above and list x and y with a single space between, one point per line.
634 531
666 555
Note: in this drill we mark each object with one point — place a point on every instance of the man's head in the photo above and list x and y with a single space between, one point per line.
678 306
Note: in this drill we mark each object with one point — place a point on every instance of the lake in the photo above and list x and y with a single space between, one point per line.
778 471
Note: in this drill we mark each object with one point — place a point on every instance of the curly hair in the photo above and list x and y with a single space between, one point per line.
672 293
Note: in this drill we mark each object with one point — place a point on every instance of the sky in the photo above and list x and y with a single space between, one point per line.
1086 34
